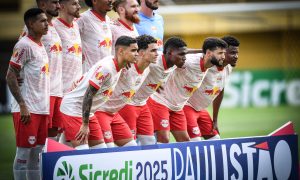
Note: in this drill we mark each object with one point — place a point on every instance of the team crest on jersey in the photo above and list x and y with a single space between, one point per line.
164 123
196 130
31 140
107 134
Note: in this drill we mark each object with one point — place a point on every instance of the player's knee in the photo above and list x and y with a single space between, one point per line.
146 140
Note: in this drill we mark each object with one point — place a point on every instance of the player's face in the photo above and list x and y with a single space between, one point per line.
131 11
130 53
72 8
177 56
232 55
152 4
150 54
217 56
52 7
40 25
103 5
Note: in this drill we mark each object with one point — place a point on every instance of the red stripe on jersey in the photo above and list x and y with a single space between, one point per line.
18 66
94 85
65 23
137 69
164 62
116 65
220 68
126 25
202 65
98 15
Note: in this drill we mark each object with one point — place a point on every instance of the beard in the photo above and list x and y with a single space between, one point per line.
133 17
52 13
215 61
76 14
150 5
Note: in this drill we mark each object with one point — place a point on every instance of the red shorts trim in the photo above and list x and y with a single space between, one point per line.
139 119
32 134
166 119
55 116
113 127
72 126
198 120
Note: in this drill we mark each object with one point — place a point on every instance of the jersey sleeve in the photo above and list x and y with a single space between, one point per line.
19 57
100 76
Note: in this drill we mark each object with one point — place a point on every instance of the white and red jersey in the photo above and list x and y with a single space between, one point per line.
212 84
158 75
120 28
182 83
129 81
53 46
31 58
71 52
96 38
102 76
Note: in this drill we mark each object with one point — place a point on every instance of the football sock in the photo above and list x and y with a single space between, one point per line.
21 163
99 146
146 140
33 164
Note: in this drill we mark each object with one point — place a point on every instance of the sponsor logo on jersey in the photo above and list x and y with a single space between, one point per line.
212 92
190 90
75 49
56 48
105 43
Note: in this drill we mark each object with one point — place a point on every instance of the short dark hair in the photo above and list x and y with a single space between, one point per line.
143 41
173 42
212 43
125 41
88 3
231 40
38 2
31 15
117 3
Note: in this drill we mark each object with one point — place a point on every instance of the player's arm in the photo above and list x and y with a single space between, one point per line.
194 51
216 106
82 135
12 81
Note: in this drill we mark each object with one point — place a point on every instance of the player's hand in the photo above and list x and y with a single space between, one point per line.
25 114
82 135
160 88
215 127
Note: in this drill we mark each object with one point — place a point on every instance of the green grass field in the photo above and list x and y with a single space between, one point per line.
238 122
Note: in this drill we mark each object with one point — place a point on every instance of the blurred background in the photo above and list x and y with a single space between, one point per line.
264 90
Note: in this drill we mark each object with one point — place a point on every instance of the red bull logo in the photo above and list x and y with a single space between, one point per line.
212 92
107 93
128 94
154 86
75 49
190 90
56 48
45 69
105 43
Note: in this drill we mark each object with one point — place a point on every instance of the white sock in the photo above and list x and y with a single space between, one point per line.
33 164
215 137
82 147
196 139
130 143
110 145
146 140
99 146
21 163
62 140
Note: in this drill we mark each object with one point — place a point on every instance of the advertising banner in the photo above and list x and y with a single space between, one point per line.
270 157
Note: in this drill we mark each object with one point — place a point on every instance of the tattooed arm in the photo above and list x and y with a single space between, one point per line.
12 82
82 135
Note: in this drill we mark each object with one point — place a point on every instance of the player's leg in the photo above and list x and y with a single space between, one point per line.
145 127
104 120
121 132
72 126
95 140
160 115
206 125
192 125
178 126
130 114
52 130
